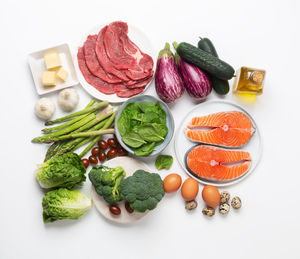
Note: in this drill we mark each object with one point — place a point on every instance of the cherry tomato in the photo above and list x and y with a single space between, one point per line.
112 142
122 152
95 151
102 156
102 144
85 162
93 160
114 209
112 153
127 207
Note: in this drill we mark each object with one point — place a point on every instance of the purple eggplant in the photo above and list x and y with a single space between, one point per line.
196 82
168 82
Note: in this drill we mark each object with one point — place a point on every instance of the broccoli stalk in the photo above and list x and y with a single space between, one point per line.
107 182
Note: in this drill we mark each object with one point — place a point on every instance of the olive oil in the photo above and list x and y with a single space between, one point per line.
249 81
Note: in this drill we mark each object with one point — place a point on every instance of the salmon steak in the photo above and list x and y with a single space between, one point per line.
216 163
228 129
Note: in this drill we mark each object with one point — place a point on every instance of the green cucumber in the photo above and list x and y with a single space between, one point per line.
205 61
206 45
220 86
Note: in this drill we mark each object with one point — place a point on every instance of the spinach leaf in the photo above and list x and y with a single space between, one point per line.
146 106
161 128
145 150
123 123
133 139
163 162
150 133
161 113
132 107
151 117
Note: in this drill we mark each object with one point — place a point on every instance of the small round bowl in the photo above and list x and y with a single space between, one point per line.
169 122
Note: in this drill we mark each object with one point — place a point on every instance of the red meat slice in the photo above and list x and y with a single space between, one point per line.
126 93
96 82
93 63
124 54
133 82
103 58
141 83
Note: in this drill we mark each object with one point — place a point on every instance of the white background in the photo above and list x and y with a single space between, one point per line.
263 34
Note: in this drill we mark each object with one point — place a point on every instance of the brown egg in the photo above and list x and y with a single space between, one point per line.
172 183
189 189
211 196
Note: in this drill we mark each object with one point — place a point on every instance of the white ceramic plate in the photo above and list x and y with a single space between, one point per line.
183 144
130 165
37 65
139 38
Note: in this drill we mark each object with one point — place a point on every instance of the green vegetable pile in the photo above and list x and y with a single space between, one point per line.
107 181
64 204
142 190
78 129
143 126
63 172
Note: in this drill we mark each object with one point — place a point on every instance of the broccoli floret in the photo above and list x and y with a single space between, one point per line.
143 190
107 181
63 171
64 204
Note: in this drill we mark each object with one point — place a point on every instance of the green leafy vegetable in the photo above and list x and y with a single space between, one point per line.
143 126
123 123
143 190
106 181
133 139
150 133
145 150
163 162
64 204
63 171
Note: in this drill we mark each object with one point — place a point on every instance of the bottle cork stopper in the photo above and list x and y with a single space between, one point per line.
257 77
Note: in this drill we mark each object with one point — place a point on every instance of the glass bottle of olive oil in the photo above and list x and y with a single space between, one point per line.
249 81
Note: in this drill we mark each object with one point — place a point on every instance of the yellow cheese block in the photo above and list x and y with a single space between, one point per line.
49 78
62 74
52 60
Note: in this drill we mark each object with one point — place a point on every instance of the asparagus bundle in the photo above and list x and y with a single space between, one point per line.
78 129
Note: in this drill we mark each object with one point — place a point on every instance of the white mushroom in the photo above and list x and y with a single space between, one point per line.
68 99
44 108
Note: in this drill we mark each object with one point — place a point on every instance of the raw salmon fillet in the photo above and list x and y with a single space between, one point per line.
228 129
216 163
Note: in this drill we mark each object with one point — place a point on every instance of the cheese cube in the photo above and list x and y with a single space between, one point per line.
62 74
52 60
49 78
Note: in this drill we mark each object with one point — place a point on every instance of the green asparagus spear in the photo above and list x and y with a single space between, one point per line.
80 134
73 144
93 122
69 129
51 151
84 111
70 122
108 124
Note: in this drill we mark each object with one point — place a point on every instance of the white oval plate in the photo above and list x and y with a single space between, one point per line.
130 165
183 144
139 38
